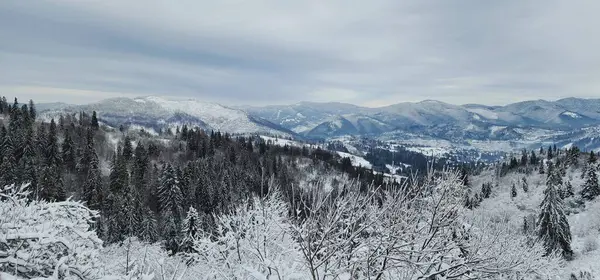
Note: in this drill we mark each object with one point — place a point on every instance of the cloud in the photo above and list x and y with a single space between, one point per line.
266 51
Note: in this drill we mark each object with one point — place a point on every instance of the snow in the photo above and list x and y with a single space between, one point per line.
356 160
286 142
495 128
429 151
571 114
151 131
217 116
488 114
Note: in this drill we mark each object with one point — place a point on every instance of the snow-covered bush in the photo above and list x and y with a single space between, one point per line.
419 231
252 242
590 243
46 239
136 260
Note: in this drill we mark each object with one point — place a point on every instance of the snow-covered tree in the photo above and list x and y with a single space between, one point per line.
169 193
568 190
190 230
252 243
525 185
590 189
513 191
553 226
47 239
486 190
94 122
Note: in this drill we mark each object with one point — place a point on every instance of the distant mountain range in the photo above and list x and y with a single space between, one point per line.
566 121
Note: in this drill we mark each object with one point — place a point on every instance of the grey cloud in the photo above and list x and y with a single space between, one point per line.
266 51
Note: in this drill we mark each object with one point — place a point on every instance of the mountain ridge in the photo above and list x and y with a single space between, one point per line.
428 118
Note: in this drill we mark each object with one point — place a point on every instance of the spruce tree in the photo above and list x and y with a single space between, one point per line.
524 158
53 157
190 230
169 193
568 189
533 158
554 176
513 191
28 164
94 122
2 105
32 111
93 184
139 168
553 226
525 185
68 152
592 159
8 167
51 184
148 227
83 164
590 188
486 190
127 149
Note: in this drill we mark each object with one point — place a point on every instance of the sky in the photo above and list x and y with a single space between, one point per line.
369 53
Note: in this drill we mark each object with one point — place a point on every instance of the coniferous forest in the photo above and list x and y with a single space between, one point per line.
84 200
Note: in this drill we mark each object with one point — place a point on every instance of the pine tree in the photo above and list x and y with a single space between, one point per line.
191 230
513 191
148 227
533 160
592 159
590 188
119 176
8 167
553 226
584 171
28 163
94 123
53 157
464 176
541 167
68 152
486 190
169 193
568 190
127 149
554 176
550 153
525 185
93 183
139 168
83 165
3 105
32 111
170 232
52 188
524 158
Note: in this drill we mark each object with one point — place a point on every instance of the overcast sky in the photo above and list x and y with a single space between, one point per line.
257 52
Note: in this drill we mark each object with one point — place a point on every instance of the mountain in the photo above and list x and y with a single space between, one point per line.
567 121
161 113
570 113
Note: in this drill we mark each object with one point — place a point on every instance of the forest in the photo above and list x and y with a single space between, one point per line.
84 200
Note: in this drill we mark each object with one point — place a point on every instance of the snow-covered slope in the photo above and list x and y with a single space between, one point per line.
565 121
163 113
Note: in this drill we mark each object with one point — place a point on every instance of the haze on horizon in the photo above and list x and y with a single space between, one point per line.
263 52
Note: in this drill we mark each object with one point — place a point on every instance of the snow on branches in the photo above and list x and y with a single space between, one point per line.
46 239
